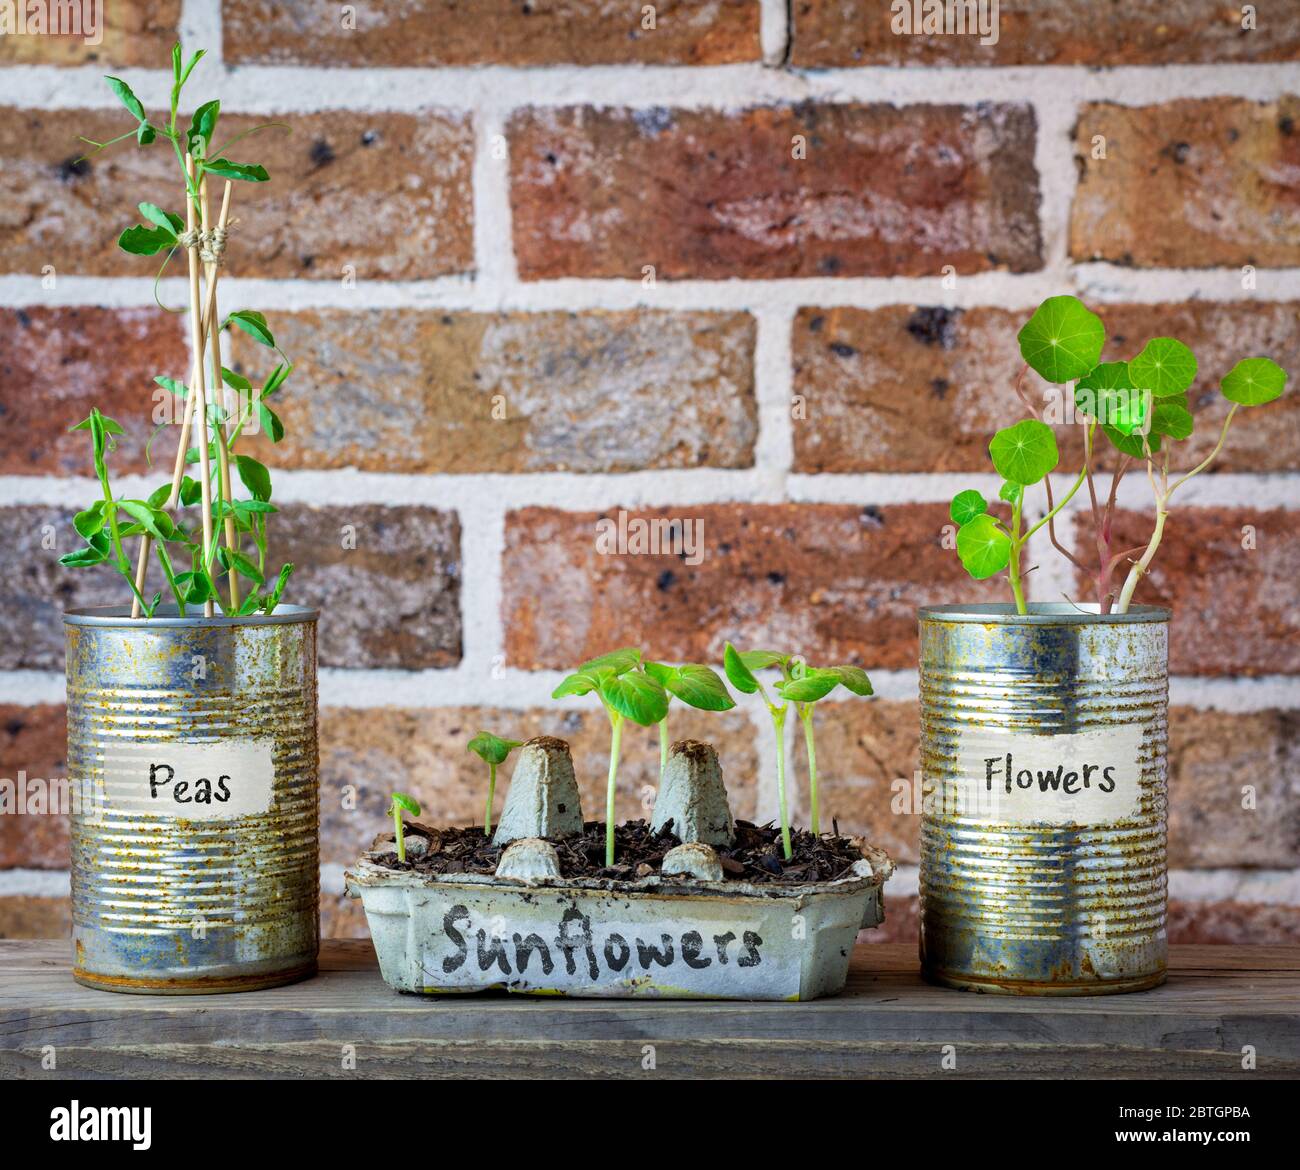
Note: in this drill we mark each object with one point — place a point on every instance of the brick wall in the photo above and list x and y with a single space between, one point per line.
603 226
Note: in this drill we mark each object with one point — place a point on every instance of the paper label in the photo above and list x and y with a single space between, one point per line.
195 781
1082 778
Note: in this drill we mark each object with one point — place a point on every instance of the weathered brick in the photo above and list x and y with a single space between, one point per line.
1189 184
923 388
56 363
25 916
495 32
838 33
366 754
342 917
129 32
883 191
867 754
1233 923
521 392
1213 756
375 196
1234 606
33 740
828 580
390 601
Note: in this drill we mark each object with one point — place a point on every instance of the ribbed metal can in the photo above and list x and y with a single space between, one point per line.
192 754
1043 759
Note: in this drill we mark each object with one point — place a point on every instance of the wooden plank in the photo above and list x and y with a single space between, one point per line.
1218 1002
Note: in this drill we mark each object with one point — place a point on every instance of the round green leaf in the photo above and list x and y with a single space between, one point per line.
636 696
1026 452
966 506
983 547
1132 444
1063 339
1172 417
1254 381
1011 492
1107 394
492 749
1165 367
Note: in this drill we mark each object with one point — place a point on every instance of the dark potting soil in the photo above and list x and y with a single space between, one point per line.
756 856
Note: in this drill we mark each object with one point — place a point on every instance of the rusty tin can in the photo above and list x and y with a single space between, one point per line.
195 842
1043 757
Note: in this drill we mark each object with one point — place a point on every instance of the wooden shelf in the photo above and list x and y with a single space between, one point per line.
1218 1001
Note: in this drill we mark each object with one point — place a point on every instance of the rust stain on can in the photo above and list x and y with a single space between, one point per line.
192 752
1057 885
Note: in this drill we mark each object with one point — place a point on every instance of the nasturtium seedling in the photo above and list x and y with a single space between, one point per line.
493 751
401 803
1139 406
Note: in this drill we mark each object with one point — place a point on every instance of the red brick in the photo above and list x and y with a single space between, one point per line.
411 391
838 582
366 754
489 32
1189 184
1233 923
883 191
923 388
131 33
56 363
393 600
838 33
1234 607
23 916
33 740
387 195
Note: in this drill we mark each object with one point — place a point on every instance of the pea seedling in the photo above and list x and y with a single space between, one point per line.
803 686
493 751
401 803
1140 406
108 520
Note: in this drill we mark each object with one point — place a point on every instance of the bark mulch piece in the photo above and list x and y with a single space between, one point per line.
756 857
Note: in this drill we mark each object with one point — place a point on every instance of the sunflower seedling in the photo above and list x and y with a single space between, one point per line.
695 685
493 751
401 803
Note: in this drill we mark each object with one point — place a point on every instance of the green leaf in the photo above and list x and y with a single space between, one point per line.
160 495
582 682
251 604
145 134
184 75
270 422
83 558
739 674
202 126
199 588
273 598
1254 381
249 507
1171 417
163 219
108 426
235 381
402 801
814 685
254 324
762 659
1025 452
191 491
192 454
249 172
636 696
984 548
697 685
276 380
1011 492
619 661
1063 339
1132 444
1108 395
127 97
91 521
153 520
177 388
966 506
1165 367
255 476
854 678
143 241
240 563
492 749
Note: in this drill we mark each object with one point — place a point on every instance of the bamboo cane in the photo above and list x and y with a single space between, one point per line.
199 390
214 340
178 470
